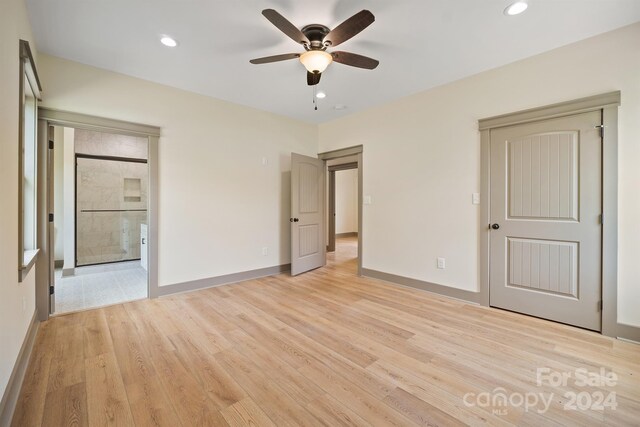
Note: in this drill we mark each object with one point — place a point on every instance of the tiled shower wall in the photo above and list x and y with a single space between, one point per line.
111 198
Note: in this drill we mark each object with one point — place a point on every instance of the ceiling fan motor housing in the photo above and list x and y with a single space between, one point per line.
316 34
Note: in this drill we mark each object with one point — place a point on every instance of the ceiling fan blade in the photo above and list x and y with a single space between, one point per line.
275 58
285 26
349 28
313 79
355 60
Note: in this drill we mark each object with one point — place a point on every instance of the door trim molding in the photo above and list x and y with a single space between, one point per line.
569 108
607 103
102 124
345 152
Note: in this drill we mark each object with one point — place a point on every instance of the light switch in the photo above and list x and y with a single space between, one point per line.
441 263
367 200
265 161
475 198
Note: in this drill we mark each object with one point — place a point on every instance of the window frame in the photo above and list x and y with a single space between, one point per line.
28 75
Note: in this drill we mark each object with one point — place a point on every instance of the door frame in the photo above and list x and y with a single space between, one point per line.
50 117
348 152
608 104
331 245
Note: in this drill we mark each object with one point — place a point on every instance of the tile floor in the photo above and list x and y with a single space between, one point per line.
99 285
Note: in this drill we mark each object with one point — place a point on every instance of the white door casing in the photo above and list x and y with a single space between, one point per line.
546 199
308 249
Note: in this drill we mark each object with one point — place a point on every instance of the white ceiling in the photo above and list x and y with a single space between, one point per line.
420 44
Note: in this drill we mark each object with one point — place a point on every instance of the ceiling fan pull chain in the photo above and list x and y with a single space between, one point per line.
315 99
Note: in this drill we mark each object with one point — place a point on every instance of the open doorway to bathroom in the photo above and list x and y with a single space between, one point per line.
100 218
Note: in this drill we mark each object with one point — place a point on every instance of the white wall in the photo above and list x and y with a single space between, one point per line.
17 300
218 204
347 201
422 159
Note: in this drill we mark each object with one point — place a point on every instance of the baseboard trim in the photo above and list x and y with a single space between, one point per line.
12 392
349 234
227 279
628 332
461 294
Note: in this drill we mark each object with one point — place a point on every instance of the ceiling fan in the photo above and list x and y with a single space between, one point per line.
316 38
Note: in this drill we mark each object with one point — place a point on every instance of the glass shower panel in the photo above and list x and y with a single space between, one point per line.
111 206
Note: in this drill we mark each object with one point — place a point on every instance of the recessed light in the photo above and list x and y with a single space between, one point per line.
516 8
339 107
321 95
168 41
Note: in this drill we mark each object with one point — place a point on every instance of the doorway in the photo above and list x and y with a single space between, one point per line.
101 198
342 215
309 208
546 245
344 207
100 218
549 197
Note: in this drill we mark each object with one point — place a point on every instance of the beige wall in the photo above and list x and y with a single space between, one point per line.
422 159
17 300
347 201
219 205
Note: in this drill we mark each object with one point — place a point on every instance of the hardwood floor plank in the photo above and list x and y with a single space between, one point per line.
67 364
246 413
67 406
420 412
106 396
326 348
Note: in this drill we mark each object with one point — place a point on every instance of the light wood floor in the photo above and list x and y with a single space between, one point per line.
325 348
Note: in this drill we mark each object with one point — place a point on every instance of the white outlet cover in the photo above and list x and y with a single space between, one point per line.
367 200
265 161
475 198
441 263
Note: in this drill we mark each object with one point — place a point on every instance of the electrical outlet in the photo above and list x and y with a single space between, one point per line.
265 251
367 200
475 198
265 161
441 263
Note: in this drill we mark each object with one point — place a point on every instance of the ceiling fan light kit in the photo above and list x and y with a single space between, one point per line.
316 61
316 39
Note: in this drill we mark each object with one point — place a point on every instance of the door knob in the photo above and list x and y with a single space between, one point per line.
295 220
495 226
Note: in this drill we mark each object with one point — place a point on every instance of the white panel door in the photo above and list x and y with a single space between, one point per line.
308 249
546 201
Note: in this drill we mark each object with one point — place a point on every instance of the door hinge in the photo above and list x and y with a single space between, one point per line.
50 217
600 305
51 144
51 290
601 129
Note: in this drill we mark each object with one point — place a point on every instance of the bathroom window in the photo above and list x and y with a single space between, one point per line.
29 96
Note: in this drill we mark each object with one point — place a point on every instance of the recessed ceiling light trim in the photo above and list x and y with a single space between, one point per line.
516 8
321 95
168 41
